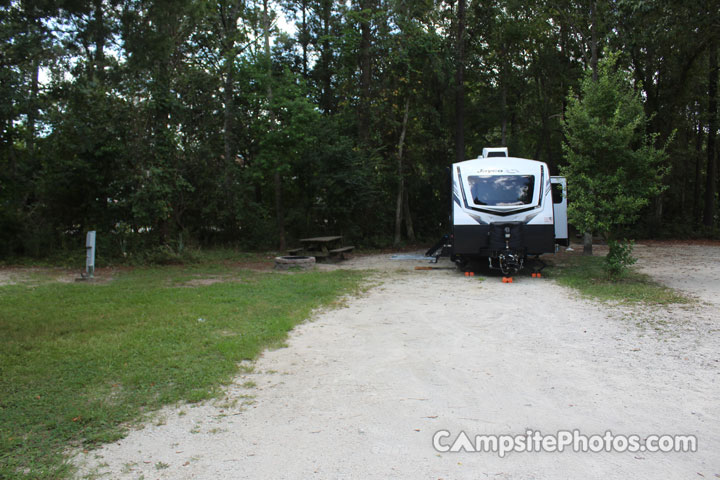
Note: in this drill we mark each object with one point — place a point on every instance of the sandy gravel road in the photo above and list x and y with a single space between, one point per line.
360 391
694 269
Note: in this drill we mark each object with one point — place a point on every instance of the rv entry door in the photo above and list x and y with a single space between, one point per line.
559 196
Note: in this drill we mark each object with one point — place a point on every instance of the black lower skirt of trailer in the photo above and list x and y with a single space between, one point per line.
472 241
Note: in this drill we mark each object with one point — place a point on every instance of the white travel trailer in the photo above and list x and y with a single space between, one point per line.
504 209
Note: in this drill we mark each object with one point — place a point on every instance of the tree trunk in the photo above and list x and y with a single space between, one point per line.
365 74
698 168
503 106
33 110
398 211
305 39
229 112
280 211
709 213
401 176
10 148
229 23
460 84
587 243
277 179
565 63
408 218
99 38
593 41
164 148
658 210
326 99
685 168
587 237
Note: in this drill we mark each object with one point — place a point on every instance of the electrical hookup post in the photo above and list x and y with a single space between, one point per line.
89 256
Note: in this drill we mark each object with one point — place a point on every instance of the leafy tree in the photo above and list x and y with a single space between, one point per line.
614 167
152 122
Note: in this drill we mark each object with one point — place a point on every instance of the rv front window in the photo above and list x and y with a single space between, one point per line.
502 190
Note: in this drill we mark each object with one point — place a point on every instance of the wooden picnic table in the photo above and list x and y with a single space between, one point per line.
322 239
322 247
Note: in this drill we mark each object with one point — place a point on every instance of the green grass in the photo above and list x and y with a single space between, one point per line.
586 274
75 258
78 361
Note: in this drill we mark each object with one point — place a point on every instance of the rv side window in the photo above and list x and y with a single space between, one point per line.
557 192
502 190
496 154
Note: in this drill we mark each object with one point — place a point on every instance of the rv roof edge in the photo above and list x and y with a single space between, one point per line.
488 152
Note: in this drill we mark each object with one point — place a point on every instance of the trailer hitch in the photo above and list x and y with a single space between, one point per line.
508 261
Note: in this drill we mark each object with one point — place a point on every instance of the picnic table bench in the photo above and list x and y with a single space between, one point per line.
341 251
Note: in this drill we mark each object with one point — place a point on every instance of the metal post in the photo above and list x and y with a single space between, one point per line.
90 258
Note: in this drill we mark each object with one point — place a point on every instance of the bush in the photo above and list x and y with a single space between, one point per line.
619 258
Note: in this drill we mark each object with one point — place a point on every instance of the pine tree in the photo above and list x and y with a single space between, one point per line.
614 167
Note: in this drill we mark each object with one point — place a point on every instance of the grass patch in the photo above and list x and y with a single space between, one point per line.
75 258
79 361
586 274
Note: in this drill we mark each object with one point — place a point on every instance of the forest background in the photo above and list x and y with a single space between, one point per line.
163 124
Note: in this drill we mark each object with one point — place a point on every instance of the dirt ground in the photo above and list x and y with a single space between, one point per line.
30 275
693 269
360 391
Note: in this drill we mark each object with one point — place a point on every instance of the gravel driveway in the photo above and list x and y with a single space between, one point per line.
360 391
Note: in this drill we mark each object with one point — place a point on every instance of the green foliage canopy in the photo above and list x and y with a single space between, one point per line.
613 165
150 120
